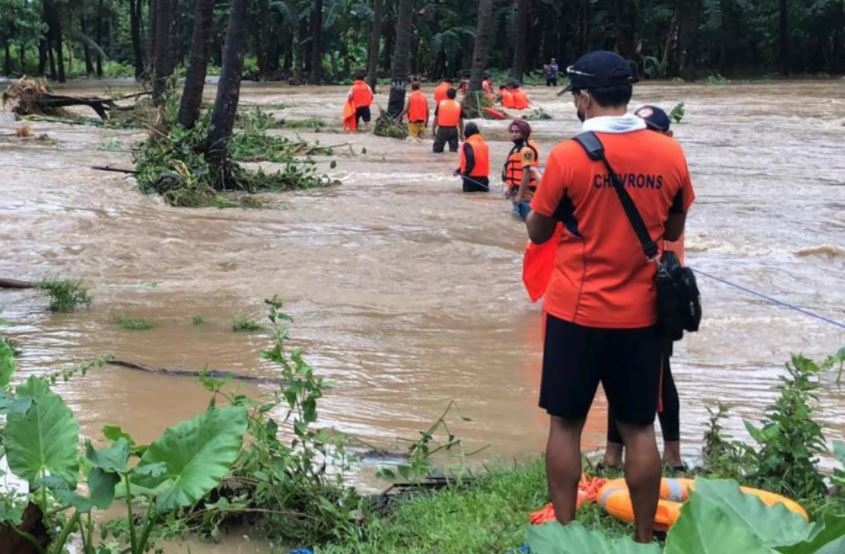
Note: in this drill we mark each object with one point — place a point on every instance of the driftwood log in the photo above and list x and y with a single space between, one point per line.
15 284
213 373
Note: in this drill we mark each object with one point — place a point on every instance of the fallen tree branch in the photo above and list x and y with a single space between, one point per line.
15 284
110 168
213 373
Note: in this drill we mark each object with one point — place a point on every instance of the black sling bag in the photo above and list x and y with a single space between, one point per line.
678 299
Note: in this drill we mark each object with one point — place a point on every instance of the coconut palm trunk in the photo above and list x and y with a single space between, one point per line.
317 43
372 47
520 35
228 93
472 101
189 108
401 59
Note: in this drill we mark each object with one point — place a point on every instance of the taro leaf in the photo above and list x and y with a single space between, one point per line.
827 537
101 487
42 441
574 538
73 500
111 459
13 404
7 363
705 528
839 451
775 525
197 452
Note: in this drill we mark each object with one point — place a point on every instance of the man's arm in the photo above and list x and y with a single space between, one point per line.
540 227
461 127
469 155
675 225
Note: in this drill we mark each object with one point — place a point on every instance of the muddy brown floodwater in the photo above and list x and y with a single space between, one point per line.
406 293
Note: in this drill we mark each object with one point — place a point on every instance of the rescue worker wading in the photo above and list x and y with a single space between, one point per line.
520 174
474 160
362 95
448 123
417 111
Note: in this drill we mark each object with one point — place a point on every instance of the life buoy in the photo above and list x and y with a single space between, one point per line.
616 500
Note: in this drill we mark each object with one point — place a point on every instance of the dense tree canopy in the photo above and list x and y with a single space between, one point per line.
327 40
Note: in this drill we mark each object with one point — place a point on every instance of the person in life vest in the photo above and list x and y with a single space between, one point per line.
448 123
417 111
440 91
519 97
670 414
520 173
362 96
474 161
601 301
505 97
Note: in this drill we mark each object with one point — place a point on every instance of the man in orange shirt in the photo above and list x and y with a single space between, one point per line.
362 96
448 123
417 111
440 91
505 97
601 302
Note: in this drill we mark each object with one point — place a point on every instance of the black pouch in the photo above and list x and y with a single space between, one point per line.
678 299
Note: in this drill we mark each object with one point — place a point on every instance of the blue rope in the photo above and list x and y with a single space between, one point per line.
774 300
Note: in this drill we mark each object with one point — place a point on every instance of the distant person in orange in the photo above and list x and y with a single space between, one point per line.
440 90
417 111
474 161
505 97
362 96
448 123
601 302
670 415
520 97
520 173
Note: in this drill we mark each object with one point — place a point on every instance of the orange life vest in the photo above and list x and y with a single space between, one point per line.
361 94
481 153
417 106
448 113
440 92
507 99
512 172
520 99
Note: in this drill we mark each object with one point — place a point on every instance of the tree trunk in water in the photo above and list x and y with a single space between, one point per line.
783 36
520 36
389 40
57 37
42 56
174 43
583 28
189 108
89 65
626 32
483 30
161 49
135 25
228 91
401 59
100 38
372 46
7 62
317 43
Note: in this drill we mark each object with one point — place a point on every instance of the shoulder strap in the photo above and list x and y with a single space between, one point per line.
595 150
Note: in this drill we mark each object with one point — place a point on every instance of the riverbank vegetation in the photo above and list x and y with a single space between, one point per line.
265 463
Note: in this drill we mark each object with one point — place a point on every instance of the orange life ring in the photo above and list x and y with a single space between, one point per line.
616 501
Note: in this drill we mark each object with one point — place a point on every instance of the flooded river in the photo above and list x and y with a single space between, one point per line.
406 293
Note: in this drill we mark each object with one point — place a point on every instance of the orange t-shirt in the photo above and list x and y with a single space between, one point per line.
601 276
448 113
519 99
417 106
507 99
440 92
361 93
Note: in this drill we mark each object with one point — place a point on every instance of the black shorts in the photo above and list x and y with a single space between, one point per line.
626 362
363 113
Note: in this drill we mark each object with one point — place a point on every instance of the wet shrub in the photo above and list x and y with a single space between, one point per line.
65 295
246 325
135 323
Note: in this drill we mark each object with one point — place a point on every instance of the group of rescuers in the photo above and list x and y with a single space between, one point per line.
599 306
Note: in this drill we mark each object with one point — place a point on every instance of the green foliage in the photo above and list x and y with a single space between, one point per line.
41 441
716 79
838 477
244 324
7 363
135 323
197 320
554 538
65 295
677 112
196 454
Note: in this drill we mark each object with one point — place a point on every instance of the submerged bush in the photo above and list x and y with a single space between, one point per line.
65 295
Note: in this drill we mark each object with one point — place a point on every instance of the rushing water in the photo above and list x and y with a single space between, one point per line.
406 293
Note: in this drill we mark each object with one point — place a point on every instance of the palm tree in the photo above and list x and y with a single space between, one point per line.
520 37
372 47
316 42
228 93
189 108
401 59
479 56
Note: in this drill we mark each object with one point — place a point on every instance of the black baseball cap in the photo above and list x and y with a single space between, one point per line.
600 68
654 117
